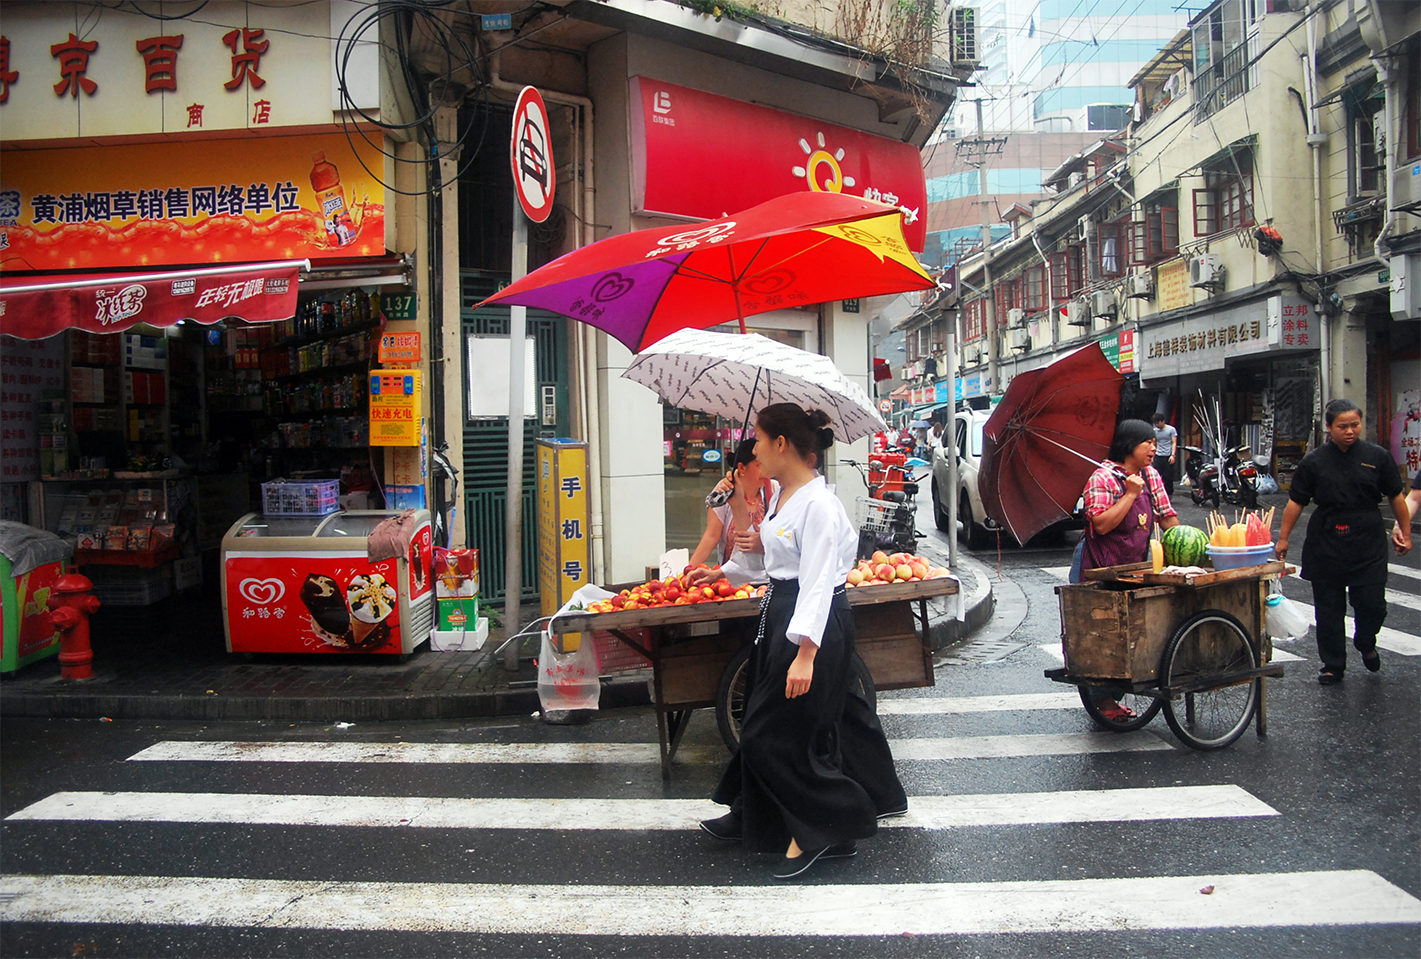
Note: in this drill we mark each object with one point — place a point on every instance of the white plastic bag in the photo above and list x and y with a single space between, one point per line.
568 681
1286 619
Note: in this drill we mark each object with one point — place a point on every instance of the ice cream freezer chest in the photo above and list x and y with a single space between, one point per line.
305 584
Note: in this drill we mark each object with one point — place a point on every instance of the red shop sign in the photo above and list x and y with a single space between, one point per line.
701 156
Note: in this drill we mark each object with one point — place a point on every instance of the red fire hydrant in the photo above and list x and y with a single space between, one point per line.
72 602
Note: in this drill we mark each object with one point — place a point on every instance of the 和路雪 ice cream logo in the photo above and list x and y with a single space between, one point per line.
262 591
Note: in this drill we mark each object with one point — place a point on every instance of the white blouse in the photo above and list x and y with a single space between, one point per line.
810 540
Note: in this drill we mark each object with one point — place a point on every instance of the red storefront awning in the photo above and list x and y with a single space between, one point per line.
34 308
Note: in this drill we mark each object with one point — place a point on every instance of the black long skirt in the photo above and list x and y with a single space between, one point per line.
815 768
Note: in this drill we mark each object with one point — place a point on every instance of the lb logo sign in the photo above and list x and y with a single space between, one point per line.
534 172
262 592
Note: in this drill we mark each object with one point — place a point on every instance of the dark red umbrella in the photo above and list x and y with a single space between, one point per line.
1048 434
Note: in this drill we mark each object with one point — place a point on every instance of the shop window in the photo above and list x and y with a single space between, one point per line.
1226 201
1034 288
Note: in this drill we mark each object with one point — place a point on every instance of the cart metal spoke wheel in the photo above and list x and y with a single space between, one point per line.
730 696
1143 706
1205 708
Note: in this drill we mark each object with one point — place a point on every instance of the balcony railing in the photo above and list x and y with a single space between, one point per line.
1222 83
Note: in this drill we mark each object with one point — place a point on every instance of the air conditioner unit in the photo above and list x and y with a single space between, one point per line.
971 355
1142 285
1077 313
1016 319
1021 340
962 36
1206 271
1102 303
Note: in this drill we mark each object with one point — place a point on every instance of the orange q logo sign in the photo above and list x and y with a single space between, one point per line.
821 161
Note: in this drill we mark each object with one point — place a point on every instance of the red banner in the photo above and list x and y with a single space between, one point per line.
702 156
39 307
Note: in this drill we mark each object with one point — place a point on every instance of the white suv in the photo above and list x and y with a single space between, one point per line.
979 529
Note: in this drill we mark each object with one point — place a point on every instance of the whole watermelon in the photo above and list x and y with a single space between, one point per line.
1185 546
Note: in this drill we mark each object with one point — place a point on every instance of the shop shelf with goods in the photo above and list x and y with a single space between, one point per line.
313 418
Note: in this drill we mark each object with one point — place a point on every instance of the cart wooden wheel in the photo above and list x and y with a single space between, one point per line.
1205 707
1143 706
730 696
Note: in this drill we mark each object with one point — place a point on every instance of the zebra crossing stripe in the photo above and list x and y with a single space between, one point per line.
431 812
1244 901
971 747
933 705
1398 570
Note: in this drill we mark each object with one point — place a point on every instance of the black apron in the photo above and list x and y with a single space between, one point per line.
1346 547
790 771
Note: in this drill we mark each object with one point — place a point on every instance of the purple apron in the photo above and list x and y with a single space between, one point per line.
1126 543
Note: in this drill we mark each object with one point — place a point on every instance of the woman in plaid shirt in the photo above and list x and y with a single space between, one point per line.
1124 498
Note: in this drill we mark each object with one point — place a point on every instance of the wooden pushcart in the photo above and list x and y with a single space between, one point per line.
1195 646
697 653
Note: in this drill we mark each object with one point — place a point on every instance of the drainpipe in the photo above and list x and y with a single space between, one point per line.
583 208
1317 140
1388 76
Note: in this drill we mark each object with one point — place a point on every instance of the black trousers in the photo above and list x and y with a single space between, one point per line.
1166 472
1330 603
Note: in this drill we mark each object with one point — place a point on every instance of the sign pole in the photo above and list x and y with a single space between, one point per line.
513 512
530 156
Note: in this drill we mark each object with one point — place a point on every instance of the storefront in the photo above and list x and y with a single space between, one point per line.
148 398
1258 360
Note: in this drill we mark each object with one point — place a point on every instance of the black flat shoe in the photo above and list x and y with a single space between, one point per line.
893 813
1373 661
799 865
1328 678
726 828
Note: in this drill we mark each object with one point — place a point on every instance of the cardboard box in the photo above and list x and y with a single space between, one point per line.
404 497
457 613
456 573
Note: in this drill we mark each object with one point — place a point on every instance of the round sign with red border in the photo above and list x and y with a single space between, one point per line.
531 154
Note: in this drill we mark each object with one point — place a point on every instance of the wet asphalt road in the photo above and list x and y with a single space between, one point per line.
1340 772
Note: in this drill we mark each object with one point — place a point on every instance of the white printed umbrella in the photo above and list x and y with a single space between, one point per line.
734 374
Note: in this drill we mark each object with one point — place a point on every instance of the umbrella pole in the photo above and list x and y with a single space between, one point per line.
735 288
745 420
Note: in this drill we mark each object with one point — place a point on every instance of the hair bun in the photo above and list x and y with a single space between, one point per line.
826 438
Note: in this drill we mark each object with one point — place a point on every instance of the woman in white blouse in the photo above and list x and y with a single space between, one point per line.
814 771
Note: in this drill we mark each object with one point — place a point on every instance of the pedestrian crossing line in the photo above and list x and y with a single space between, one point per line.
630 754
1020 702
1406 571
1063 573
432 812
967 747
1245 901
1011 747
1394 597
1393 640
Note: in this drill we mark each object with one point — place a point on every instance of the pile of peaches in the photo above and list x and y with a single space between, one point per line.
674 591
883 568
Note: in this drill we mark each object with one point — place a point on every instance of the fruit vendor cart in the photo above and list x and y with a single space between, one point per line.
1192 644
698 653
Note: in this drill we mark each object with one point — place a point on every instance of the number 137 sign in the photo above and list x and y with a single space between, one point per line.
534 173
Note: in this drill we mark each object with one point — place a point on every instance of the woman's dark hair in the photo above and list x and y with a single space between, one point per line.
1128 435
1336 408
807 432
744 453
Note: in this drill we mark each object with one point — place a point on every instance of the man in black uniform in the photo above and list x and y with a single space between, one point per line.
1346 543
